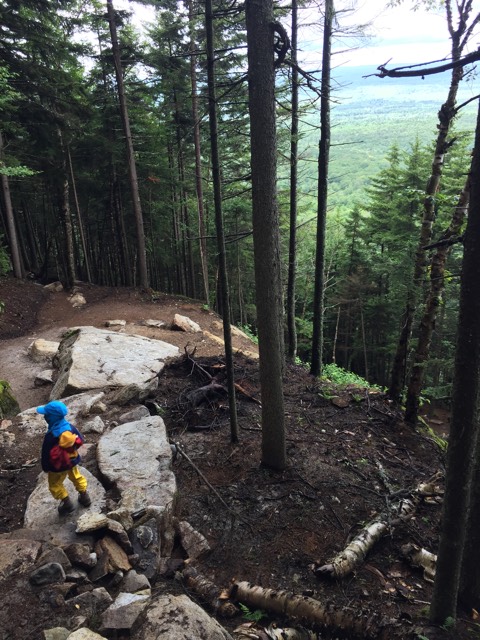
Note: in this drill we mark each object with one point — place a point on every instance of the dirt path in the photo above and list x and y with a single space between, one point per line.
31 315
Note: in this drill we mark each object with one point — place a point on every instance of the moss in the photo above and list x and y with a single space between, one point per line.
9 407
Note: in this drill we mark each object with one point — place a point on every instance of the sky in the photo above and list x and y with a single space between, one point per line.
399 34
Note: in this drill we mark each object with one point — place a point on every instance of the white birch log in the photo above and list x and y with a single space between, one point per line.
251 631
355 552
312 613
418 557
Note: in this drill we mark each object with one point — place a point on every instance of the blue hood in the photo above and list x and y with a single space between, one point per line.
55 413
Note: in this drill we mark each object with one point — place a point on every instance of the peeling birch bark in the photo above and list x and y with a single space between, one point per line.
210 594
418 557
251 631
312 613
355 552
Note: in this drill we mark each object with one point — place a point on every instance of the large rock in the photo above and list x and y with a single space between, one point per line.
8 405
16 556
178 618
136 458
79 406
41 511
43 350
91 358
123 613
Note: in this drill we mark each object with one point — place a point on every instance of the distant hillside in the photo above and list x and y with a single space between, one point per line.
368 116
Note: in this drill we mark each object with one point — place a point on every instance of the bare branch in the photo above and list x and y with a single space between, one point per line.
399 73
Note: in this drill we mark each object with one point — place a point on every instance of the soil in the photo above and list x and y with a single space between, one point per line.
348 454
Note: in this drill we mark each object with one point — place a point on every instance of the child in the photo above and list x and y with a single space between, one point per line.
60 457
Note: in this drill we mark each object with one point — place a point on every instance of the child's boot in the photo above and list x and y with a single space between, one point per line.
84 499
66 506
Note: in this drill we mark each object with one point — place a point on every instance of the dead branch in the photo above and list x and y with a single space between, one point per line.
197 470
246 394
212 378
411 72
209 593
211 391
309 612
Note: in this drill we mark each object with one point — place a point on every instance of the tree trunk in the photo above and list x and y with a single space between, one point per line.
427 323
217 197
469 593
132 168
323 161
66 217
446 116
198 159
464 419
292 248
79 218
12 231
266 236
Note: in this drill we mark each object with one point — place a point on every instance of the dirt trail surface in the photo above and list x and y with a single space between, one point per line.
349 454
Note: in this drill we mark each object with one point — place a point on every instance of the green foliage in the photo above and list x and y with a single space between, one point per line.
253 616
439 441
337 375
17 172
4 260
247 329
449 623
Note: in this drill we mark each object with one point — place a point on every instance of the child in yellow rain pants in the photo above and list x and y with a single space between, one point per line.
60 457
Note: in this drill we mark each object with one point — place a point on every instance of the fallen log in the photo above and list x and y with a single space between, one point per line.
209 593
355 552
419 557
312 613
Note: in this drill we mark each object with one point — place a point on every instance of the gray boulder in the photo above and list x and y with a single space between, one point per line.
91 358
178 618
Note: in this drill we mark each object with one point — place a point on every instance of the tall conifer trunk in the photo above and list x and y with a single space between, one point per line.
217 196
12 231
266 240
427 323
323 162
198 159
132 168
292 249
66 217
463 424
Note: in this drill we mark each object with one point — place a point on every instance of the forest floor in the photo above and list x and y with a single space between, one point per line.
349 454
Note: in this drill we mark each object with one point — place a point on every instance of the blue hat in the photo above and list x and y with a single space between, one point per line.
54 408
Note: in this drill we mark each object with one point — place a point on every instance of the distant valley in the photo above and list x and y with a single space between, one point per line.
369 115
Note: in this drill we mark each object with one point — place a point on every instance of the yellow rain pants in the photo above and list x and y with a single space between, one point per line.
57 478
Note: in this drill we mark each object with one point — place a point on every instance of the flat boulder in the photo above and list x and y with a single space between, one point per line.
91 358
136 458
179 618
41 511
